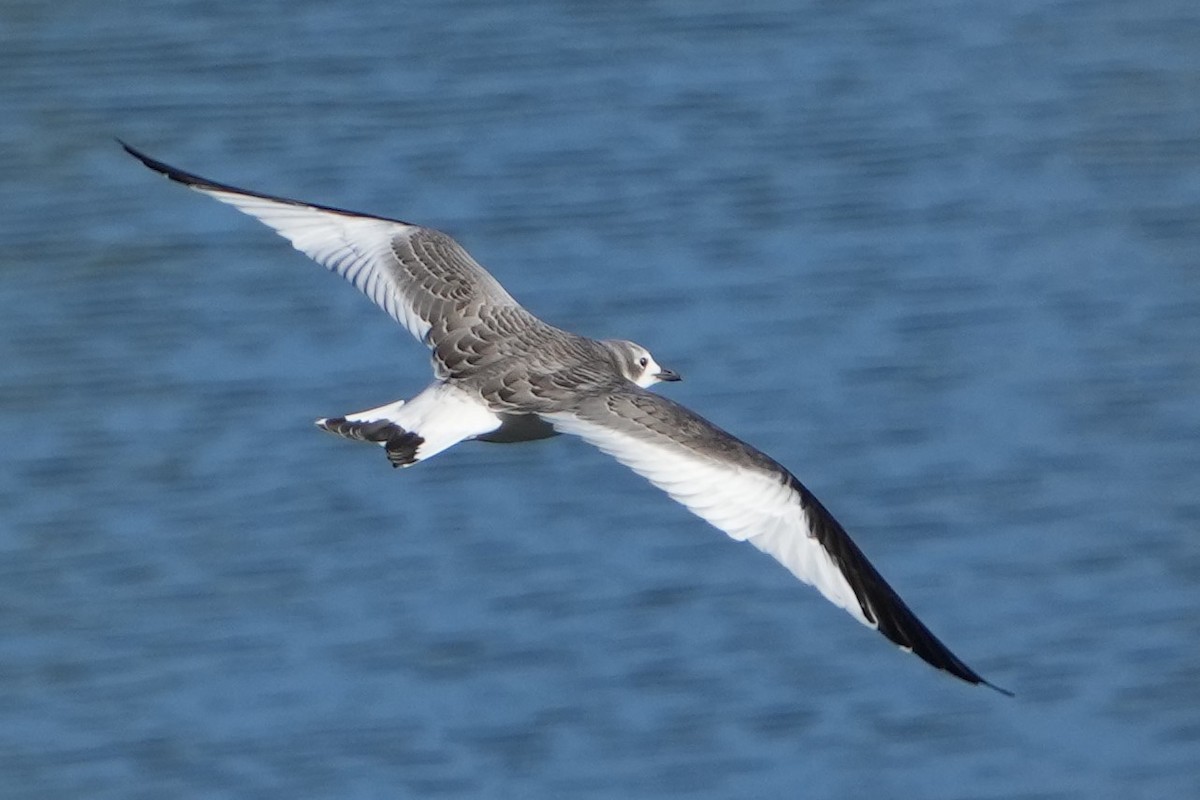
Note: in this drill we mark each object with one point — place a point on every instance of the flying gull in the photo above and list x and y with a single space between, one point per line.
503 375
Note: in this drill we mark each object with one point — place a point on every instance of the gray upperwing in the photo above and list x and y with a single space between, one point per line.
643 413
420 276
751 497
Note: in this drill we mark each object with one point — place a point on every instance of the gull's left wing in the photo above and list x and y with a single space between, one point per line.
420 276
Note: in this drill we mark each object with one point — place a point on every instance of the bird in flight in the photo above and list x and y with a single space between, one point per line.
503 375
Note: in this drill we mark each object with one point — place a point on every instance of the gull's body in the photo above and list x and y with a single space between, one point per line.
503 375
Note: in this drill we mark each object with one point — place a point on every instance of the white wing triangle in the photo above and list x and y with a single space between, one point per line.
745 503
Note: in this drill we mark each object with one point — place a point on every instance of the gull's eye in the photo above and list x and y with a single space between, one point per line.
643 361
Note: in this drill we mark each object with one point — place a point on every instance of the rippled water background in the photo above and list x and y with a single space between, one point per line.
940 259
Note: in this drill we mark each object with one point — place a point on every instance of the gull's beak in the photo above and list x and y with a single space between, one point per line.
668 375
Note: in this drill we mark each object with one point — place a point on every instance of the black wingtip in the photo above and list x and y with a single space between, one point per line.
200 183
173 173
879 601
139 155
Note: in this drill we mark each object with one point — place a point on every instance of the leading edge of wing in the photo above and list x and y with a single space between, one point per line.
194 181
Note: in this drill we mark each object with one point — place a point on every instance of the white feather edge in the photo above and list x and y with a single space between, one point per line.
359 248
744 503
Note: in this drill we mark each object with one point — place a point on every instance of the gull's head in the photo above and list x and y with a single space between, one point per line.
637 365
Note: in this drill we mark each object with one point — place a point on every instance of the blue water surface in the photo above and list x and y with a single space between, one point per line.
940 259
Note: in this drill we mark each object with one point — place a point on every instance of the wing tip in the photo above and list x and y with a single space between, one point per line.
216 188
881 605
996 688
954 666
146 160
174 173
